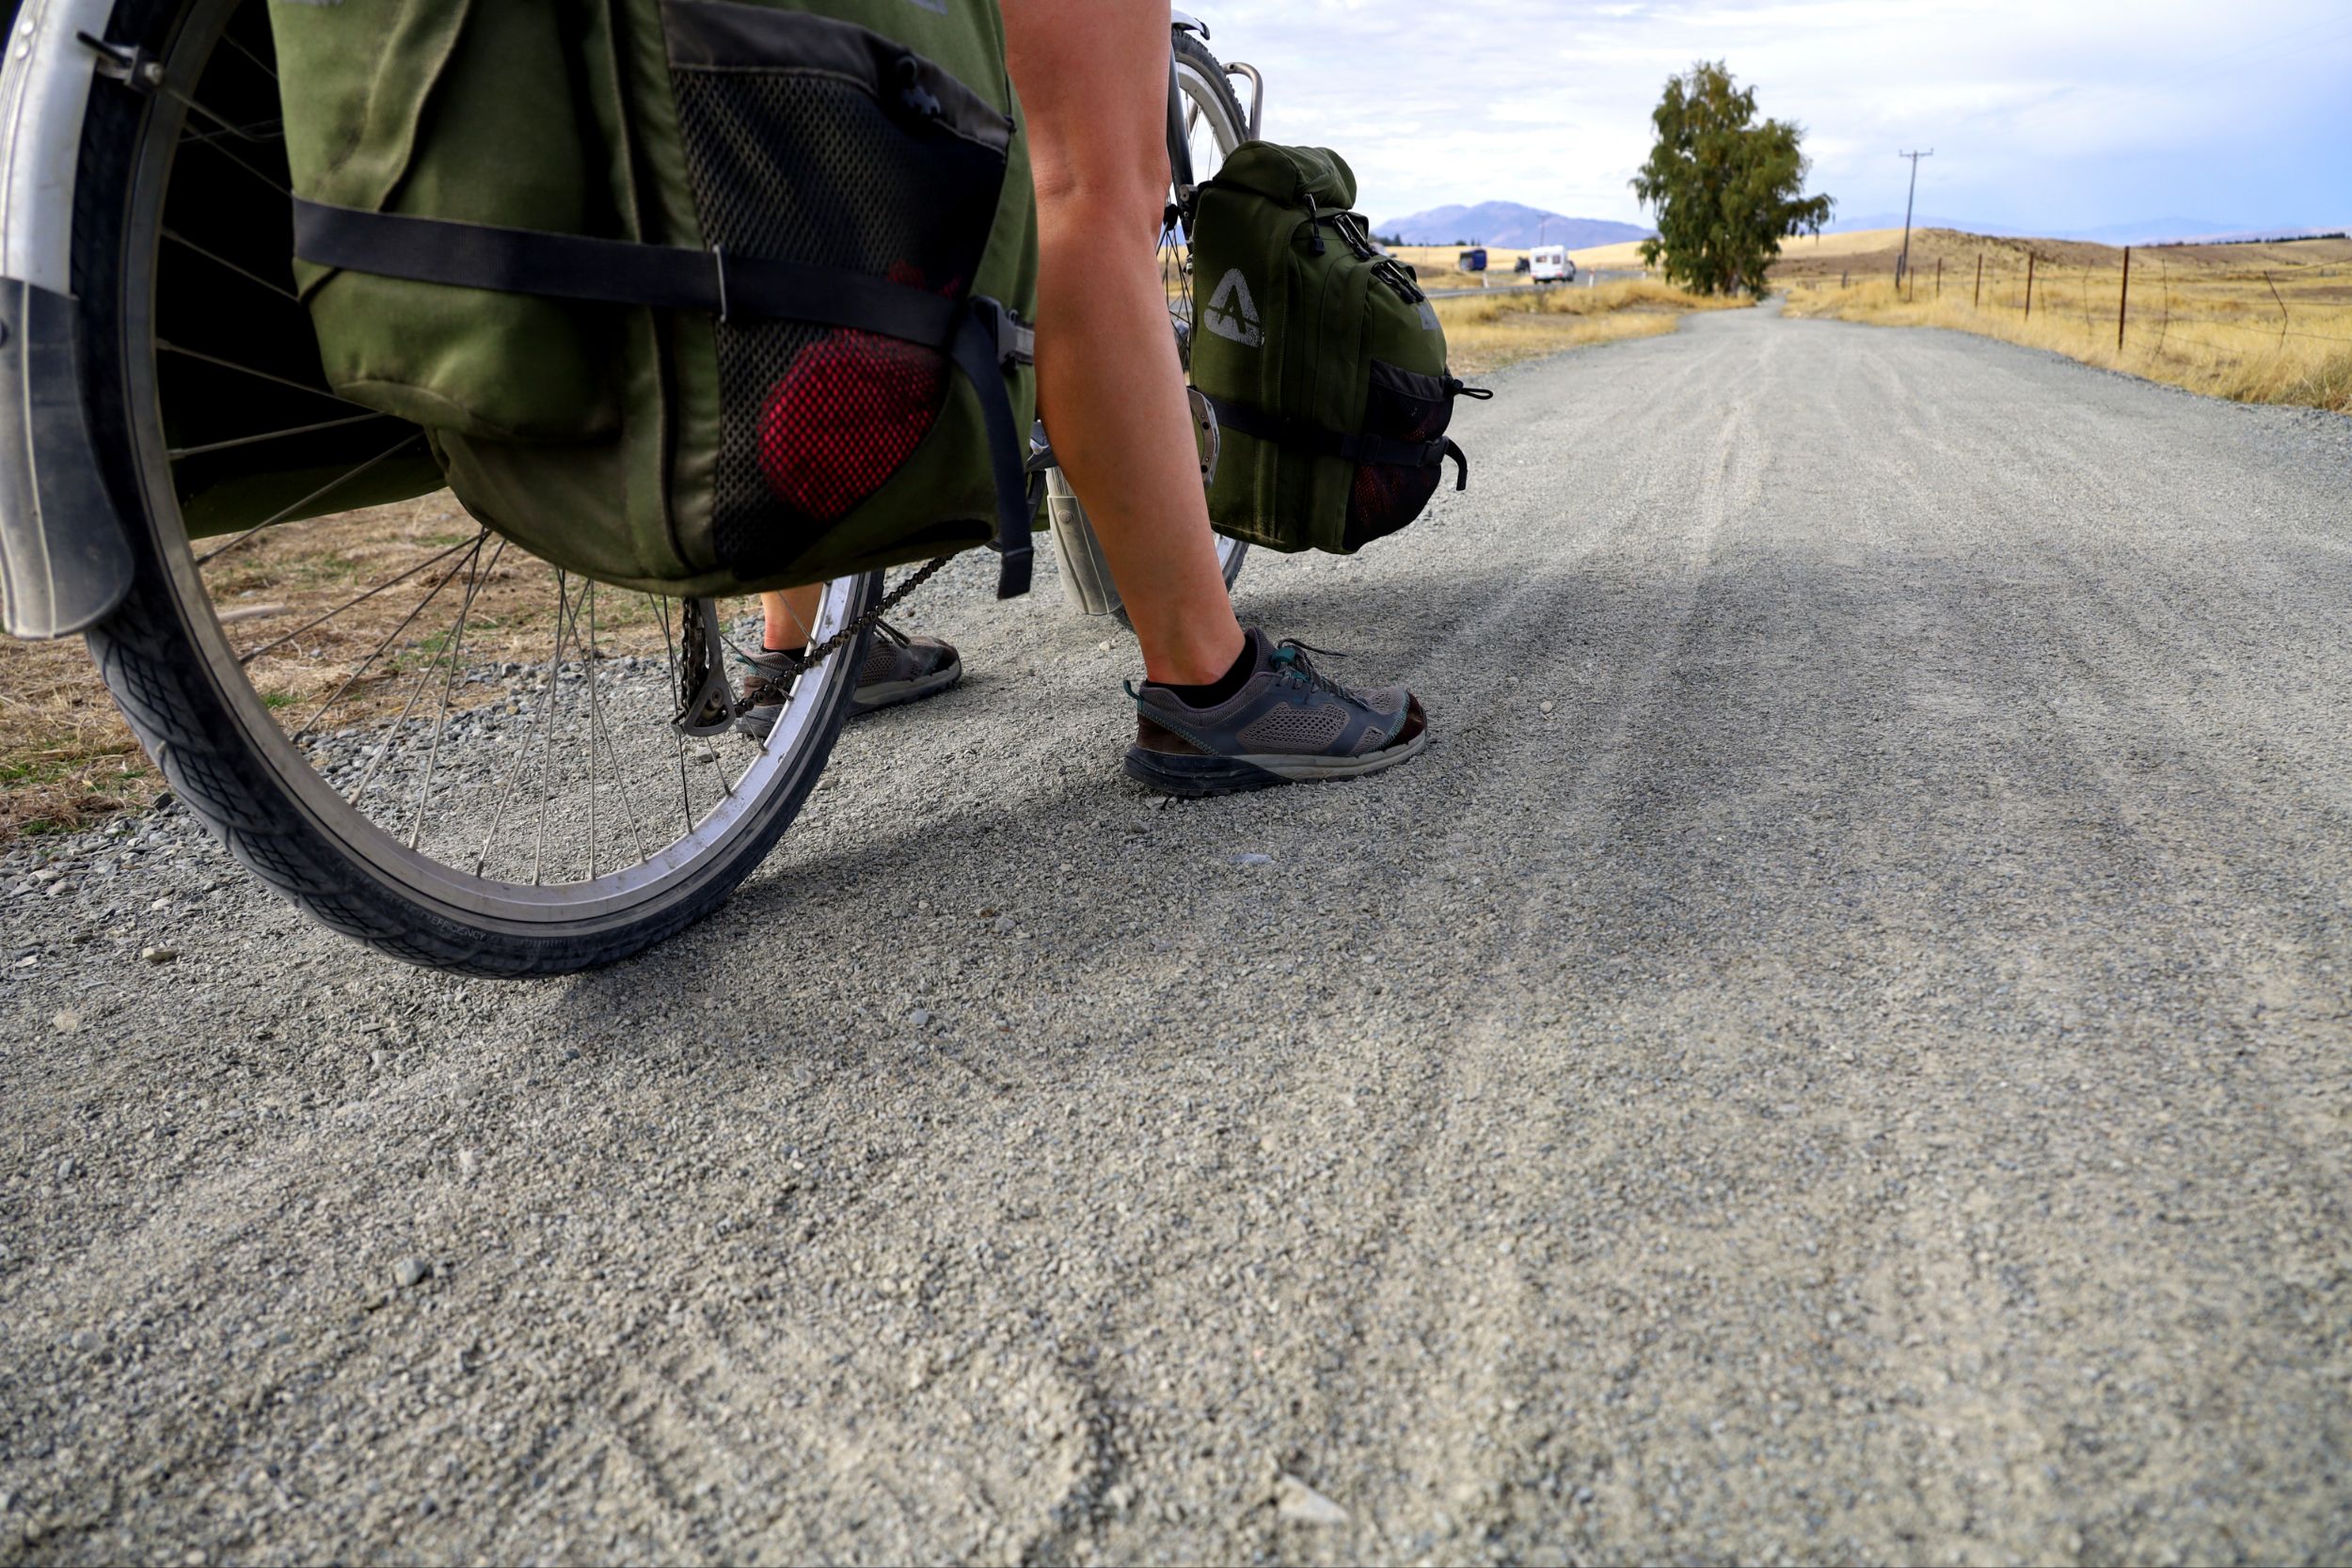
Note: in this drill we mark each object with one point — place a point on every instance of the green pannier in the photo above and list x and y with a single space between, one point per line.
1320 357
697 297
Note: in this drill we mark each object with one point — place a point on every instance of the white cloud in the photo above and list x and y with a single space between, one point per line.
2041 115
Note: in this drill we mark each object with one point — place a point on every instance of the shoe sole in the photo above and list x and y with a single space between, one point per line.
891 693
1175 773
759 722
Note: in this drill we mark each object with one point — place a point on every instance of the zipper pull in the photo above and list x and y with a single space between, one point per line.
1314 229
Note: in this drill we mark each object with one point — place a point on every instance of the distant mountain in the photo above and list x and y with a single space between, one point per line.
1511 224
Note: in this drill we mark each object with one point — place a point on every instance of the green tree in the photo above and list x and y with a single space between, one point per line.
1727 189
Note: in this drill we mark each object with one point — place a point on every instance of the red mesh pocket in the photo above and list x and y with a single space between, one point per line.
1404 405
851 408
1387 494
807 160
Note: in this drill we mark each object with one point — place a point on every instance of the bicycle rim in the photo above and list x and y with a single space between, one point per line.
471 727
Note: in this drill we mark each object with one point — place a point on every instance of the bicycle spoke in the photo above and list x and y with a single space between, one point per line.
324 490
258 64
176 454
221 150
243 133
588 669
613 757
165 346
547 747
353 679
476 571
600 728
278 288
361 598
391 741
514 776
686 790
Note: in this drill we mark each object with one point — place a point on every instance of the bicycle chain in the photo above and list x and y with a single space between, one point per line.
814 657
712 707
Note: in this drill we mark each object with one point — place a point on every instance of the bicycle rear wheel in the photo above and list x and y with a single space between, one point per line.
428 739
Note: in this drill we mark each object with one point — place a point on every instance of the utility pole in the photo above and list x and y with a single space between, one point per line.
2124 300
1903 266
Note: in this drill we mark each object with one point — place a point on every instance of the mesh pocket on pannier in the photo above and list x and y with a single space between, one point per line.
1405 406
856 170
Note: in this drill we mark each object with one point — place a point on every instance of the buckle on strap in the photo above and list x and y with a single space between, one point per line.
1016 339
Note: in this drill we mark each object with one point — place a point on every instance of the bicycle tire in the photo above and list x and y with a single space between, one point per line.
160 653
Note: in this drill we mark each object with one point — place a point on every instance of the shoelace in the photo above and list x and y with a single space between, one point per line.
1290 663
1288 660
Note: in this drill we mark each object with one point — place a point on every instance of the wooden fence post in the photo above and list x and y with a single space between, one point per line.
1939 277
1979 302
2029 258
2124 300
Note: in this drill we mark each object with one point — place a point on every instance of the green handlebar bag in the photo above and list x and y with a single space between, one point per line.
695 296
1323 361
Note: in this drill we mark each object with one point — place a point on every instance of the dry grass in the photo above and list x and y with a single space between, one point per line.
67 759
2255 323
1486 334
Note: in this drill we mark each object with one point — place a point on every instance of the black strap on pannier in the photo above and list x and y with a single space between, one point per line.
980 334
1355 448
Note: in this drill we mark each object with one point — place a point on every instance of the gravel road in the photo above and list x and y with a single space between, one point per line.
1839 1050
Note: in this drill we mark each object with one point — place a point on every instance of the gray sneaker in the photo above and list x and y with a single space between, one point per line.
898 669
1289 723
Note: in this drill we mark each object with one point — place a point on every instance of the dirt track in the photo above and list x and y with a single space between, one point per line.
1864 1075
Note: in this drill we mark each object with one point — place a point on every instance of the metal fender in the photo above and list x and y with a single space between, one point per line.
65 561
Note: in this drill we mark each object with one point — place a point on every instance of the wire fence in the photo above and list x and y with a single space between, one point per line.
2147 297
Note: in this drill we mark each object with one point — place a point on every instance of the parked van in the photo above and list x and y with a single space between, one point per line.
1550 263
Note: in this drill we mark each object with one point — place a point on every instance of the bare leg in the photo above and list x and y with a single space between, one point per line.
789 616
1093 75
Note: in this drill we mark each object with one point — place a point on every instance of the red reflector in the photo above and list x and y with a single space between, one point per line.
849 412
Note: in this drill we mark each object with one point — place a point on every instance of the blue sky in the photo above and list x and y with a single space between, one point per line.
2052 116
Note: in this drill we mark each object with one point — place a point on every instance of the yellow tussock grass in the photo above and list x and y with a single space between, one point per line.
2253 324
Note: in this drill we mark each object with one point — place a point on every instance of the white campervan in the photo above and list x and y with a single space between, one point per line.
1550 263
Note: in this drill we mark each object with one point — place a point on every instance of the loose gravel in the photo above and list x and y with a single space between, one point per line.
1837 1051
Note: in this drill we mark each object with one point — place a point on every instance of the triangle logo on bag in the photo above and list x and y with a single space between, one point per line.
1233 314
